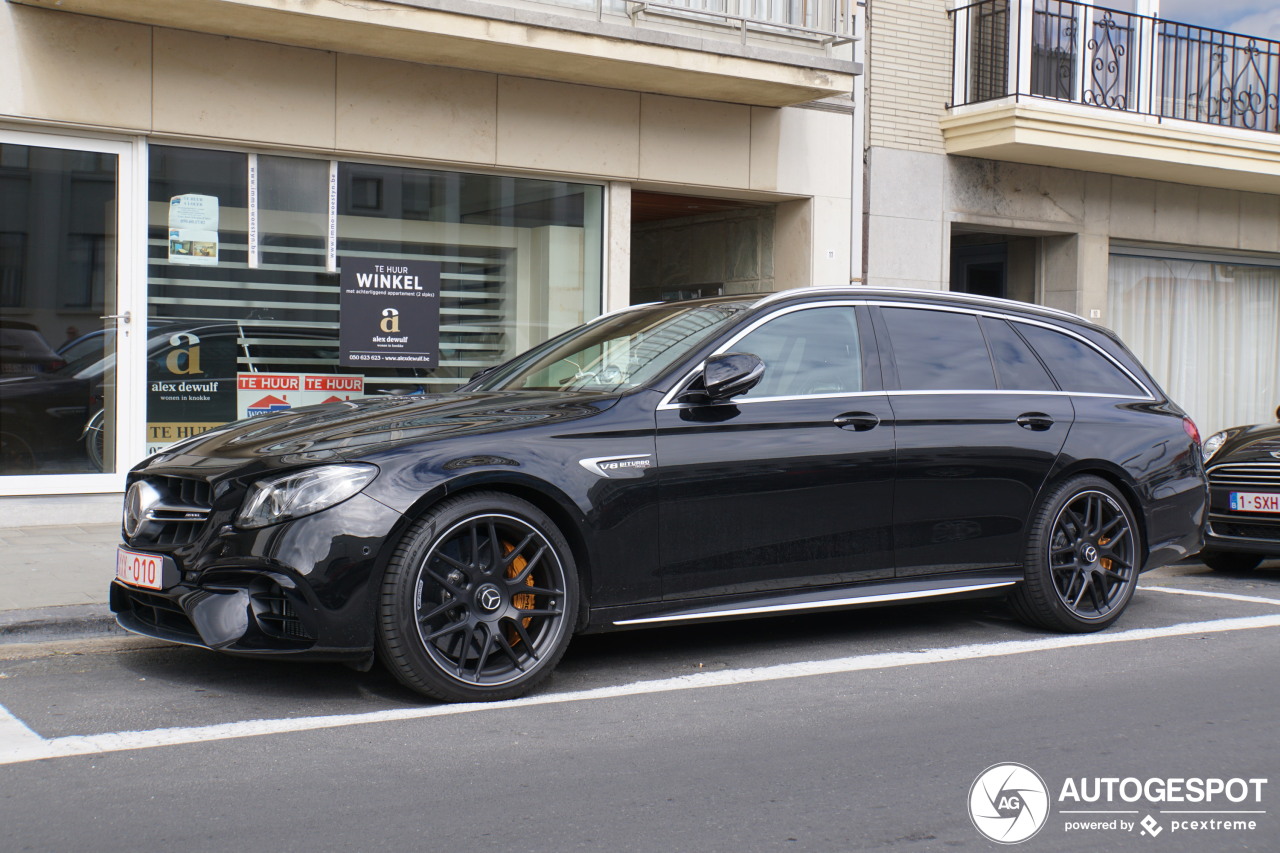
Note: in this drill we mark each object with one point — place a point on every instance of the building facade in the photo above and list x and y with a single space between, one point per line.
185 184
1099 160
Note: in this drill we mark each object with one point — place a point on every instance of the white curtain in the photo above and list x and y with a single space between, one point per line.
1208 332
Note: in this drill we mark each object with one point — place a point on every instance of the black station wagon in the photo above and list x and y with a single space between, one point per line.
717 459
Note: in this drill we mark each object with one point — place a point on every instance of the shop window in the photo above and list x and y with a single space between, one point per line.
257 251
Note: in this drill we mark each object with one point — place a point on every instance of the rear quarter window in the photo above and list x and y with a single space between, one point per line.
1078 366
1016 365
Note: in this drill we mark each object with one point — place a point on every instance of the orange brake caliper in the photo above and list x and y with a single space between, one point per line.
524 600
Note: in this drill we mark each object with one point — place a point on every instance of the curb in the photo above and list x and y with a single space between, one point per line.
46 624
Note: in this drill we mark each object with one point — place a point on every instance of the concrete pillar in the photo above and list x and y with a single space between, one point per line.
617 280
1074 274
793 245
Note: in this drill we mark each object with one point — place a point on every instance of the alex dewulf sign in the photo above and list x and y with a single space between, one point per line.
389 313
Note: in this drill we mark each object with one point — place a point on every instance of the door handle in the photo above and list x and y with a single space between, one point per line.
1037 421
856 421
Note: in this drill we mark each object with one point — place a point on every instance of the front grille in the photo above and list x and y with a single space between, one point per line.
177 516
1244 474
158 612
1246 530
278 615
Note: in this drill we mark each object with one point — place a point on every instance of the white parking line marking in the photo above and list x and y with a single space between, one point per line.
15 735
1230 596
18 743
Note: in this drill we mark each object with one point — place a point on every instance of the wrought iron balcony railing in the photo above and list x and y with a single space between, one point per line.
1068 51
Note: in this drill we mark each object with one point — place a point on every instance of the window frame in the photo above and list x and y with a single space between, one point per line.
872 379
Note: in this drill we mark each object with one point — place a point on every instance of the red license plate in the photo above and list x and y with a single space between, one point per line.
144 570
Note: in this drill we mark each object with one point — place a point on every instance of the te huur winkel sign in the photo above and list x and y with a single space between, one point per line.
390 313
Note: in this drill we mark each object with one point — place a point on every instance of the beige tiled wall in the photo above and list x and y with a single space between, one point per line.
76 70
69 68
561 127
234 89
400 108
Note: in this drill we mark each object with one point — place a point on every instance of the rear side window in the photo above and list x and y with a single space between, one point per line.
938 350
1016 365
1078 366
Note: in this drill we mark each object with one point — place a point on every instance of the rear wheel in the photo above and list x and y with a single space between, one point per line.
1082 559
1229 561
478 600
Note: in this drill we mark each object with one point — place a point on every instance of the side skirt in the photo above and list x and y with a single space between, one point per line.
968 585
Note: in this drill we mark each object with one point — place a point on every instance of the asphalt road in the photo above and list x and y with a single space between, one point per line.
845 731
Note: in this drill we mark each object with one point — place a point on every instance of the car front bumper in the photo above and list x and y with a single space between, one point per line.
305 588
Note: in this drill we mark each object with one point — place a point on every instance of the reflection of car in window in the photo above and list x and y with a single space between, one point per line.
54 421
24 350
677 463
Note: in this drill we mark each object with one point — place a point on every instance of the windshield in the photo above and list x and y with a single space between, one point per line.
616 353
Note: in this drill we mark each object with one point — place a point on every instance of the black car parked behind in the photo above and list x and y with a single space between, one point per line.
1244 507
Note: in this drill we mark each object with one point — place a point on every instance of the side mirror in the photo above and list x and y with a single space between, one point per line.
729 374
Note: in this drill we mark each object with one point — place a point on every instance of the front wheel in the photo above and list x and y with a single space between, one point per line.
1082 558
478 601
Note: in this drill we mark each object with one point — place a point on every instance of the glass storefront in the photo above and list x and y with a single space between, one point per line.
245 272
241 310
58 249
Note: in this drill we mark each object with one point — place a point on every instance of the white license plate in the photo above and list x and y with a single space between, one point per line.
1255 502
144 570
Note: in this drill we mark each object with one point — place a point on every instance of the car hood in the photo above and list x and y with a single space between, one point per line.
1252 444
336 431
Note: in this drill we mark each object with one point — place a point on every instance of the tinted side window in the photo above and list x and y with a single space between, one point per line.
1078 366
939 350
1016 365
814 351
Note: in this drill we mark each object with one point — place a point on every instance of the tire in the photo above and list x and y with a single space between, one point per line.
1082 559
95 441
1230 562
479 600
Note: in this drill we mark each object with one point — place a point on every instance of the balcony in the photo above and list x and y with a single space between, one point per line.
1060 83
757 52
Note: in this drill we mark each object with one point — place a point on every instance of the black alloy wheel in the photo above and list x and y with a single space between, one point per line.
1230 561
479 600
1082 560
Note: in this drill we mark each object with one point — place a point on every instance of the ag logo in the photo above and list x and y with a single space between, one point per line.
183 360
1008 803
390 322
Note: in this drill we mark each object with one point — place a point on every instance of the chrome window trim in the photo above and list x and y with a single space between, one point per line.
878 302
885 293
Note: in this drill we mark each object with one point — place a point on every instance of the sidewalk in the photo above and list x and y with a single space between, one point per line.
54 580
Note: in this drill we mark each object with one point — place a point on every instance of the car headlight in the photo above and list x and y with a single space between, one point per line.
300 493
1214 443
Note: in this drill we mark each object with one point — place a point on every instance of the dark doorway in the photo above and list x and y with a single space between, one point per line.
688 247
981 269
